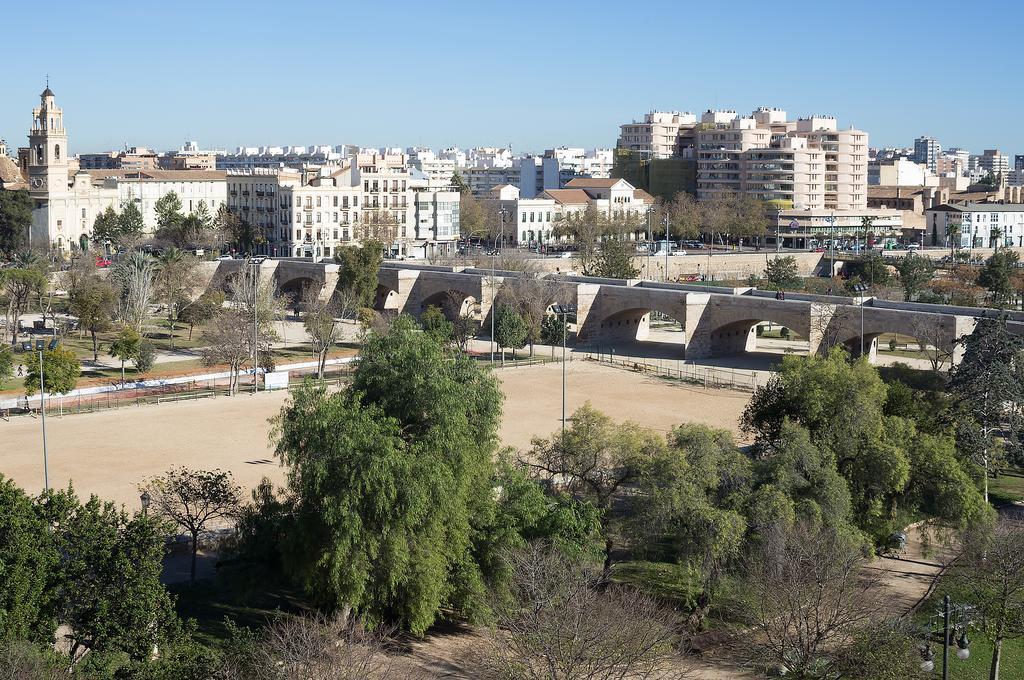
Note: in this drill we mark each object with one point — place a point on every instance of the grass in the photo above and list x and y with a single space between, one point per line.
1007 487
976 667
663 580
208 602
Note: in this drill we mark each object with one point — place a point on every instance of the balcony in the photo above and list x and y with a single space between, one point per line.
245 192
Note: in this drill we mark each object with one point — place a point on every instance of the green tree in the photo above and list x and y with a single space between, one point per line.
15 220
915 274
125 347
689 502
357 275
235 230
987 384
6 365
106 228
592 461
94 301
614 260
436 324
60 372
20 285
870 268
108 577
202 310
192 499
781 273
27 559
417 427
510 330
177 277
168 215
131 226
145 357
553 329
841 406
996 277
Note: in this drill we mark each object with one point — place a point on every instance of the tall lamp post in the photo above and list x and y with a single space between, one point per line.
40 347
563 311
255 327
861 288
831 219
494 254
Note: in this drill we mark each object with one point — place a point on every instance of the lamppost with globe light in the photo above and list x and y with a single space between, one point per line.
955 619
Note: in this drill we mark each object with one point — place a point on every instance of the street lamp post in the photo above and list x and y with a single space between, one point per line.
952 621
40 346
778 229
255 328
563 311
861 288
831 219
667 247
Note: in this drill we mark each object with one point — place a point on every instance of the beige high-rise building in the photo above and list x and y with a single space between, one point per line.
807 164
661 134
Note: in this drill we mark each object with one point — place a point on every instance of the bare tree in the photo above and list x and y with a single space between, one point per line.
562 622
930 338
807 589
314 648
531 295
176 281
321 324
135 275
229 340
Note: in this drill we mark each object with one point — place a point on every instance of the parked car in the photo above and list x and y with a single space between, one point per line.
102 262
258 259
224 257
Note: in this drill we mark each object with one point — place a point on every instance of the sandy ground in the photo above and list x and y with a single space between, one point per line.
110 453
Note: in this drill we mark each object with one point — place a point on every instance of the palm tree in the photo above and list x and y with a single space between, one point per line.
953 232
994 234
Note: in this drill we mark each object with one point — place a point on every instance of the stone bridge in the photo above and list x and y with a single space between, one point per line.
714 321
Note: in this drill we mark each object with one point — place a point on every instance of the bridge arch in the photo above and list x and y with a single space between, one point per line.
453 302
296 286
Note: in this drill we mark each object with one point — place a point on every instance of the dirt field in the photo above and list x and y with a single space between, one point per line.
109 453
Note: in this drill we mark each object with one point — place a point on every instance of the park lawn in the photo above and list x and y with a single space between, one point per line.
1008 487
1011 666
209 601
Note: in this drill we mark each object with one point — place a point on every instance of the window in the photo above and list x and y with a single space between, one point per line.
318 203
335 203
56 152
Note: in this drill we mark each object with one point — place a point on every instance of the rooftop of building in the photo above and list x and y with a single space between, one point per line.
991 206
160 175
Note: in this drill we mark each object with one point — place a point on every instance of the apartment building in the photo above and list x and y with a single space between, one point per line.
807 164
481 180
314 211
976 225
536 218
439 171
994 162
661 134
557 167
926 152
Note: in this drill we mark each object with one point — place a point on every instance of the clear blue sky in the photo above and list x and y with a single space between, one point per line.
533 74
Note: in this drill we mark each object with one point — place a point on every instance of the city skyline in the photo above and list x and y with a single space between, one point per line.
472 75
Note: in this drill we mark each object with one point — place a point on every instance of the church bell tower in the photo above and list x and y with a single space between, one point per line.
48 150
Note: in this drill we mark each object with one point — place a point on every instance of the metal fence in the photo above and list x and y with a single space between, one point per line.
677 369
59 406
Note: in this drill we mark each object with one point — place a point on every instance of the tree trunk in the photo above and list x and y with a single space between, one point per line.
997 650
122 372
95 347
322 364
607 568
195 549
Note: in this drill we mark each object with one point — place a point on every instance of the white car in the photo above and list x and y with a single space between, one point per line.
224 257
679 252
566 255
